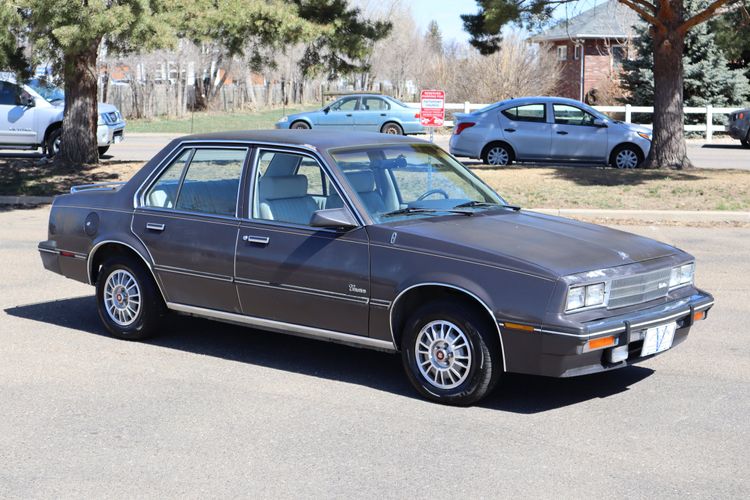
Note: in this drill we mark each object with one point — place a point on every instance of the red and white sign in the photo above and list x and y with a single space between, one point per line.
432 113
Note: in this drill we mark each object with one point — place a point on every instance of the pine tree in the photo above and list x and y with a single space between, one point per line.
434 38
707 76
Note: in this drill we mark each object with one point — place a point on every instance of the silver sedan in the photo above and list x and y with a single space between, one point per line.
542 129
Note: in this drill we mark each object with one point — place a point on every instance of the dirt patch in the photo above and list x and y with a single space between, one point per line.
39 177
607 188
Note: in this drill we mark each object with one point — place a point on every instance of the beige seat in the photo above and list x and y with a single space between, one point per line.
284 198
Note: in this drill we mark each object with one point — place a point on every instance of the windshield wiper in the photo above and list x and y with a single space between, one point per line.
417 210
470 204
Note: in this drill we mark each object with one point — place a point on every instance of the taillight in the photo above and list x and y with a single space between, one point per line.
741 116
463 125
416 115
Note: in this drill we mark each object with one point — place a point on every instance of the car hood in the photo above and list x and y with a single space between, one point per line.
103 107
635 128
534 242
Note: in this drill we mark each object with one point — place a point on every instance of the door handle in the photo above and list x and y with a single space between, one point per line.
348 114
509 129
152 226
383 114
256 240
562 132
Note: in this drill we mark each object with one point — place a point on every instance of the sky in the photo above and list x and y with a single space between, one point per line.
447 13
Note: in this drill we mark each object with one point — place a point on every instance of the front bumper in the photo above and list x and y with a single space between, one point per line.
566 353
107 135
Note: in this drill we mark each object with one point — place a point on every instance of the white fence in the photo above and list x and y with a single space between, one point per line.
708 127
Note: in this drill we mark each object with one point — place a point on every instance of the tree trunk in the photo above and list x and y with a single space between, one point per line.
79 143
668 148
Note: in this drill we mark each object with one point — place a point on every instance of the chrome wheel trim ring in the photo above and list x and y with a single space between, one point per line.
443 354
626 159
392 130
498 156
122 297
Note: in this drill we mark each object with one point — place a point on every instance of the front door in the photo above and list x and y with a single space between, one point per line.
17 125
575 135
290 272
187 220
526 129
340 114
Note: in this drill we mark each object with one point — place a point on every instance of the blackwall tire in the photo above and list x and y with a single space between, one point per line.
128 300
459 368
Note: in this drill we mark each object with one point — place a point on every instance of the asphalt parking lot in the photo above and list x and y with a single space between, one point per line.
209 409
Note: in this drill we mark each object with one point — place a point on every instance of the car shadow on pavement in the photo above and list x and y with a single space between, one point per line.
587 176
381 371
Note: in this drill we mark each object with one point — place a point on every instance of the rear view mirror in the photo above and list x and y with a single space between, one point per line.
333 218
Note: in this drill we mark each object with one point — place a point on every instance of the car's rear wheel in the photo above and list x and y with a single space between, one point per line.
128 299
497 154
392 129
746 141
450 354
54 141
626 156
300 125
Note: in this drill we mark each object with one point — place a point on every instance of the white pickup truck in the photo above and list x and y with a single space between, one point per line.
31 116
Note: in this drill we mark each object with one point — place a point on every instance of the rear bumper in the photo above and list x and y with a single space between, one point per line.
72 265
559 353
738 130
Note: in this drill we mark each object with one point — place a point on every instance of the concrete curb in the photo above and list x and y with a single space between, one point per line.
25 200
651 215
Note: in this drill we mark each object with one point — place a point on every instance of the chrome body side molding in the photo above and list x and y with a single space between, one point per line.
293 329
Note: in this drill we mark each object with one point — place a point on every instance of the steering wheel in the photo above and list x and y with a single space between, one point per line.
431 192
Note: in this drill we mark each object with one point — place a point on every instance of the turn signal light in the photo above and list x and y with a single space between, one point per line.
462 126
601 343
699 315
516 326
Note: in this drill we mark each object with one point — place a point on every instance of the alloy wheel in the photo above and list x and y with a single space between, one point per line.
122 297
443 354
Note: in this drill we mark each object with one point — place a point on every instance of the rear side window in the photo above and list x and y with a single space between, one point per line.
212 181
527 113
374 104
9 93
200 180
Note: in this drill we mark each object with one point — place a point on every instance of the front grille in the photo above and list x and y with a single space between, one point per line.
640 288
112 117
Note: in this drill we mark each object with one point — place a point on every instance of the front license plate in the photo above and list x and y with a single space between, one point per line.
658 339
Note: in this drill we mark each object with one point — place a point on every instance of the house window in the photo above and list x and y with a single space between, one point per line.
562 52
577 52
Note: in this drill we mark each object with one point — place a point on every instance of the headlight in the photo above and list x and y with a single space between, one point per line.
284 119
645 135
682 275
585 296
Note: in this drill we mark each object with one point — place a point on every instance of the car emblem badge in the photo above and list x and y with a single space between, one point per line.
393 238
662 284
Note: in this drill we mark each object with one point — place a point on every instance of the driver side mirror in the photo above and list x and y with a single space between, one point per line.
326 109
598 122
333 218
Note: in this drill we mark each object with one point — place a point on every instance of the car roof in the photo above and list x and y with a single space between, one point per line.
538 99
318 139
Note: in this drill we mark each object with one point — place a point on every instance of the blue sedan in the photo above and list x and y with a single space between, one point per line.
378 113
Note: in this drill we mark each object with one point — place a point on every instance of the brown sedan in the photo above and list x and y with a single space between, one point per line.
375 241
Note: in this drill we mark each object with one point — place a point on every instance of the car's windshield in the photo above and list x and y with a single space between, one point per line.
50 92
396 181
397 101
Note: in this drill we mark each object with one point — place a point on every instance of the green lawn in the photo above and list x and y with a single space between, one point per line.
214 122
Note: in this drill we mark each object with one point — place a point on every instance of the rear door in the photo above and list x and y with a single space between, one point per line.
340 114
526 129
187 218
575 136
372 114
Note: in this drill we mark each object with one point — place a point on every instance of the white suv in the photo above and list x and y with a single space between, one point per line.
31 117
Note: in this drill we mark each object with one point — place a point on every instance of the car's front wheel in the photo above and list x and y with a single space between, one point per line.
300 126
450 353
103 150
626 156
54 140
128 300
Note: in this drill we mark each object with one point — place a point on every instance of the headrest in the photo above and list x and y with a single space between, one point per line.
363 181
282 186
